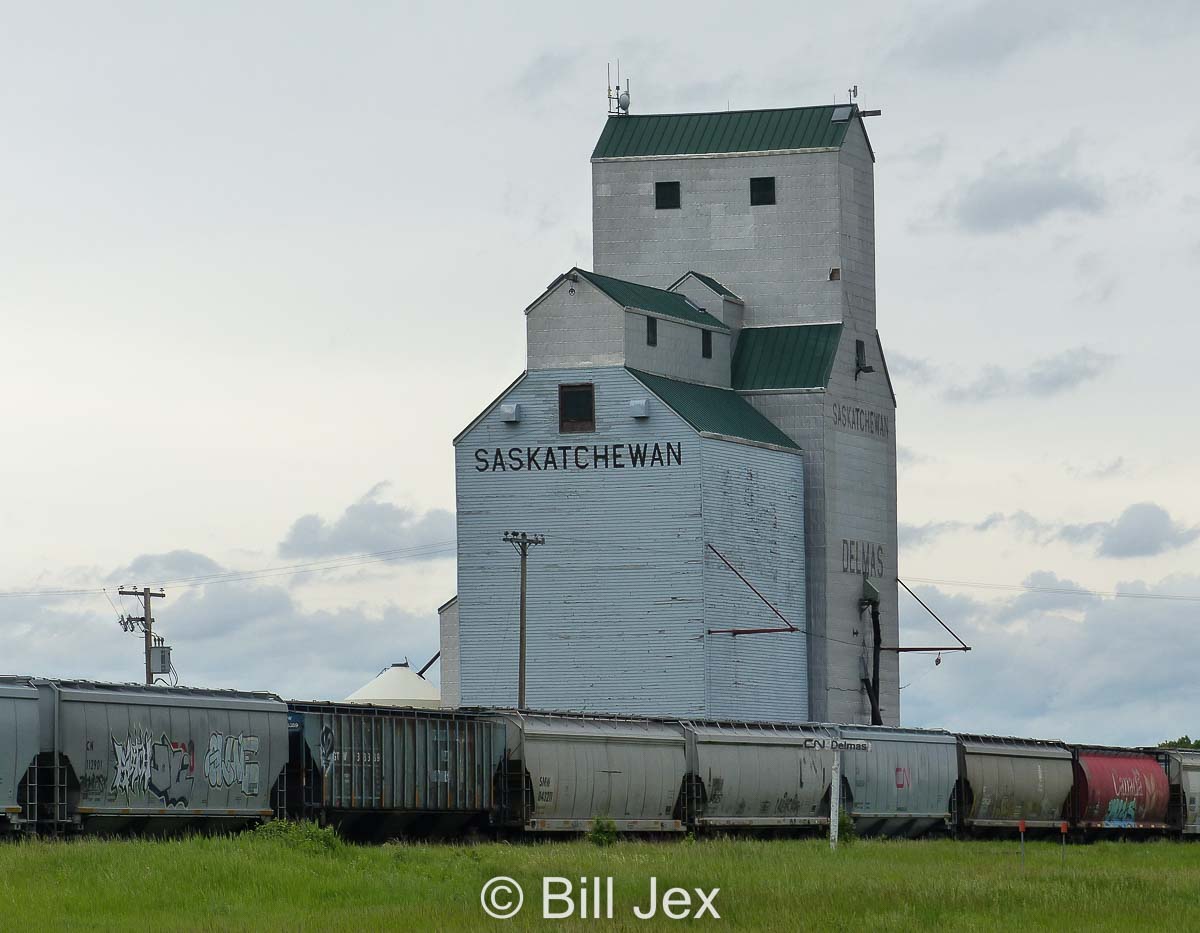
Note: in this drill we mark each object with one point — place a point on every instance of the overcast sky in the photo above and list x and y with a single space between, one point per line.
260 263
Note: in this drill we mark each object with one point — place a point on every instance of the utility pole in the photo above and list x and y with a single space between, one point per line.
521 542
147 619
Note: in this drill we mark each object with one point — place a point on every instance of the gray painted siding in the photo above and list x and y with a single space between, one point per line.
776 257
615 613
729 312
754 515
679 351
860 504
448 662
856 185
584 329
850 494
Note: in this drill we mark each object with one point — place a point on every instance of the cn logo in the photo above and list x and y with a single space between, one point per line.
902 778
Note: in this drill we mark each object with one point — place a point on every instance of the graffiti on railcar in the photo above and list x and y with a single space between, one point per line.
232 761
144 767
328 751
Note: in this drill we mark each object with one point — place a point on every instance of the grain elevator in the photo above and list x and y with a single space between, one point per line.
704 434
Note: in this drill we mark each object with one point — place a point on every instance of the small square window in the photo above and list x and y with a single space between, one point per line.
666 195
576 408
651 332
706 344
762 190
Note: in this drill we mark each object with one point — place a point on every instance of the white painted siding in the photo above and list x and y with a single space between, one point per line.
622 593
754 515
615 607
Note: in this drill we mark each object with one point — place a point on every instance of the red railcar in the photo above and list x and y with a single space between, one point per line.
1117 789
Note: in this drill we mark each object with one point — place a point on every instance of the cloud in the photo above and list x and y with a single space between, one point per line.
906 456
247 636
1043 378
549 70
365 526
911 369
1104 470
180 564
1142 530
916 536
1011 195
978 36
1078 668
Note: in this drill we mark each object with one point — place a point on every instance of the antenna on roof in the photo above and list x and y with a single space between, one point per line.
852 94
618 101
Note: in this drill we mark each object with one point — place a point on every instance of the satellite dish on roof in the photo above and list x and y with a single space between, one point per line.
623 99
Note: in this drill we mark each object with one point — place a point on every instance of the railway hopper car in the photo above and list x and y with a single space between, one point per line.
152 760
1120 790
18 754
376 772
898 782
1004 781
563 773
758 776
1183 777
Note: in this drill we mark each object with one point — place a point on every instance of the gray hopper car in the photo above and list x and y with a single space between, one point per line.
1004 781
18 751
900 781
759 776
564 773
126 758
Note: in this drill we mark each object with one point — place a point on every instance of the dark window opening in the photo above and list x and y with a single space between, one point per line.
651 332
762 190
706 344
666 195
576 408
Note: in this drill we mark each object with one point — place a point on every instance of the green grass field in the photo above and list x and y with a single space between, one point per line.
291 878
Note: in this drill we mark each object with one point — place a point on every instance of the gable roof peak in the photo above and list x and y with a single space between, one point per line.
708 282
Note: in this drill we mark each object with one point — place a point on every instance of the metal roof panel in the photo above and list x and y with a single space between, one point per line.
714 410
667 134
790 357
654 300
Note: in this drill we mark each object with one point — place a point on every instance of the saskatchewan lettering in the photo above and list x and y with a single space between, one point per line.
578 457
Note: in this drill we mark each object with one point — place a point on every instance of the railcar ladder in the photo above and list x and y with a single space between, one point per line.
59 777
281 795
31 797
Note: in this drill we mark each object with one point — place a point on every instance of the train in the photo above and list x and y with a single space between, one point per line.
85 757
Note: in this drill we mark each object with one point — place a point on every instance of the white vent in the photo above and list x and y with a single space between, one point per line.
510 412
638 408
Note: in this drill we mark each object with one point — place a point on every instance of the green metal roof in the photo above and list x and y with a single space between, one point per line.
799 357
711 283
654 300
668 134
715 410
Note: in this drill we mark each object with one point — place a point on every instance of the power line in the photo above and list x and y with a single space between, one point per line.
1062 591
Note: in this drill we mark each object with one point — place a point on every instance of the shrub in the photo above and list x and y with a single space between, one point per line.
603 832
846 831
302 836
